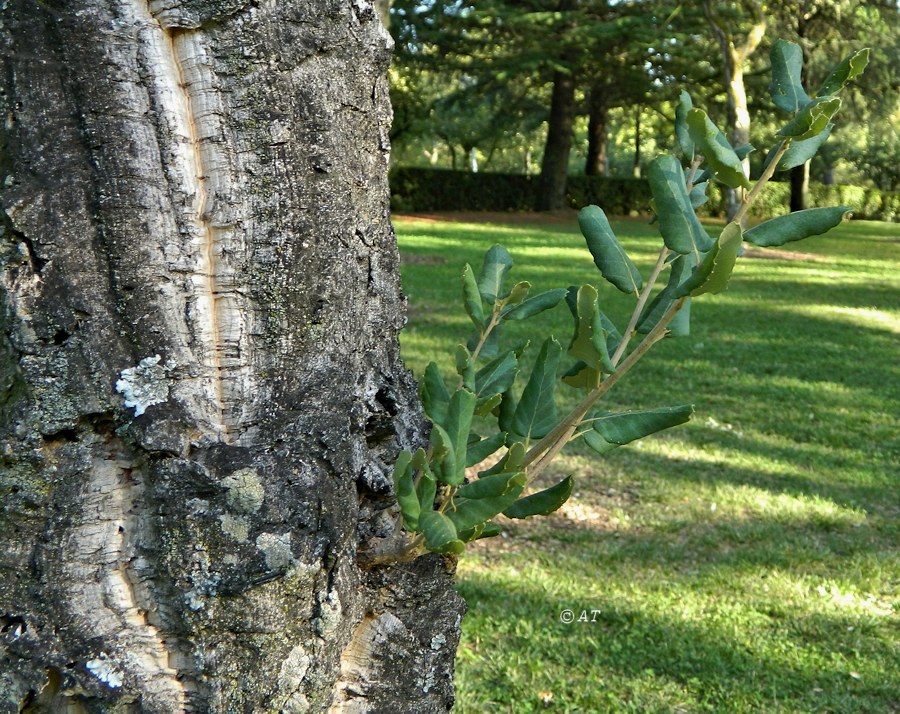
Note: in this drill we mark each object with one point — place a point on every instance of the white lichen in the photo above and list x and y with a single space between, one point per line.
290 681
330 611
277 550
104 669
144 385
245 491
235 527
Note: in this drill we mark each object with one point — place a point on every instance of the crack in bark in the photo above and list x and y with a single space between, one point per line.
191 130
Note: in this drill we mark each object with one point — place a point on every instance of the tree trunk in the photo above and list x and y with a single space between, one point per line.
202 392
636 165
799 186
597 163
551 194
733 58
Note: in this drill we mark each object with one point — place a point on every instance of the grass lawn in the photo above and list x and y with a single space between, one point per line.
745 562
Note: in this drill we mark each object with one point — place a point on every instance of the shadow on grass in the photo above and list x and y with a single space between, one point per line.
714 662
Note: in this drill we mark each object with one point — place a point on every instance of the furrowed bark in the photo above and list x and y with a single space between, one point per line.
201 387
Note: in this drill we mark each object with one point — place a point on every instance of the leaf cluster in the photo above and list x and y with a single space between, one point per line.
447 495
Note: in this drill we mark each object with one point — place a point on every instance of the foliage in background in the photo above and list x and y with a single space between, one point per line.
425 190
509 52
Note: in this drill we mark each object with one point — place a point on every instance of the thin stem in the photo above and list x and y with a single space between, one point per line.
495 314
639 308
762 181
573 419
695 164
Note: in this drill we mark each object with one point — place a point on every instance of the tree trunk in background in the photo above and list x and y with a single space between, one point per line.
597 163
799 186
733 58
196 215
551 194
636 166
799 175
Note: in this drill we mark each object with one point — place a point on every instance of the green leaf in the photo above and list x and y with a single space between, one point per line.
473 533
518 293
440 533
680 228
468 512
459 424
796 226
534 305
799 152
715 269
435 396
490 530
742 152
406 491
682 134
497 263
487 405
478 451
465 368
542 503
589 341
426 490
492 486
813 119
681 269
698 194
496 376
443 457
680 326
610 431
507 410
510 463
609 256
724 163
535 413
420 459
472 298
850 68
786 86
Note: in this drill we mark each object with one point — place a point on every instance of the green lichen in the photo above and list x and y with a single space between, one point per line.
245 491
235 527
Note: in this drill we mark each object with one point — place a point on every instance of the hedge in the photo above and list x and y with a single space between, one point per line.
423 190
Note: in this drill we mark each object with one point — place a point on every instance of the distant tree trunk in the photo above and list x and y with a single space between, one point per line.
551 194
799 175
384 11
636 166
733 58
597 163
473 160
799 186
202 394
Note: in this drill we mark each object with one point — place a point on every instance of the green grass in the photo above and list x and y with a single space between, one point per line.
746 562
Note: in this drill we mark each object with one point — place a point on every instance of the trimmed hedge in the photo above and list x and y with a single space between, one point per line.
422 190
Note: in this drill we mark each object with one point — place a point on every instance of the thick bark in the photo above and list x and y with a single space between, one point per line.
597 159
551 193
199 359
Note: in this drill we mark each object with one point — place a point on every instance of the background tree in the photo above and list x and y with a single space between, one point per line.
199 360
738 35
